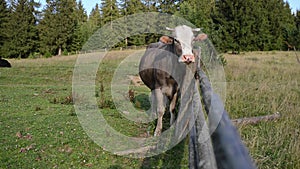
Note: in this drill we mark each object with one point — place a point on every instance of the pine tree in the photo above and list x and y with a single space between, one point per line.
22 31
93 23
260 31
297 18
80 12
244 25
110 11
79 36
197 12
169 6
288 24
4 19
57 26
151 5
227 18
274 16
47 29
296 35
66 23
245 20
130 7
280 23
95 20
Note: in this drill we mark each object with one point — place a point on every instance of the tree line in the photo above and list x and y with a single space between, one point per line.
63 26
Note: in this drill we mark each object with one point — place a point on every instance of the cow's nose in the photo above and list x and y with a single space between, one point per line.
188 58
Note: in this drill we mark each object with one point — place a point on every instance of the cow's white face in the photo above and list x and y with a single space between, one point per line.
185 36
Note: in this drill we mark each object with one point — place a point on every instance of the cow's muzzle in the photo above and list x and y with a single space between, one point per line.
187 59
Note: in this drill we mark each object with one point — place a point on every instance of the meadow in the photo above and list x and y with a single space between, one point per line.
39 127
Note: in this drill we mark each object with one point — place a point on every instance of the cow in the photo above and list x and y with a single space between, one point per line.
163 68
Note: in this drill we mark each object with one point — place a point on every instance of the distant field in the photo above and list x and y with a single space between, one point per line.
39 127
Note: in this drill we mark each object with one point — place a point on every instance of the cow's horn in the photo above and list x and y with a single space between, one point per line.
170 29
196 29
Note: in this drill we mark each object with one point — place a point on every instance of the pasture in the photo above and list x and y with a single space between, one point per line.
39 127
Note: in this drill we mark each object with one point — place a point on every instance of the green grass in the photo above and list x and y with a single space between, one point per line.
262 84
35 101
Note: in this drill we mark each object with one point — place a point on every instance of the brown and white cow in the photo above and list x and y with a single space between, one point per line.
164 66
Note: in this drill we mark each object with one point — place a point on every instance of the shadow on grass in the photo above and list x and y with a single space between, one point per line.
142 102
173 159
114 167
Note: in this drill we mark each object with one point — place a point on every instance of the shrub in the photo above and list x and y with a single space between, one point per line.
47 55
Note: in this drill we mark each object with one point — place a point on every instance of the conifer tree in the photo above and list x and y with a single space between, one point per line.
296 35
130 7
280 24
57 26
66 23
47 29
80 12
275 23
260 29
4 19
79 36
95 20
110 11
227 19
93 23
197 12
151 5
297 18
244 25
22 31
169 6
288 24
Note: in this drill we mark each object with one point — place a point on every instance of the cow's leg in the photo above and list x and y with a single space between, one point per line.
153 105
160 110
172 108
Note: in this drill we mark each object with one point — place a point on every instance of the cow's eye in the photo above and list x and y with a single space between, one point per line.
178 45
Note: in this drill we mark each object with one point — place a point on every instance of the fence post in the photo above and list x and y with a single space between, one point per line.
229 150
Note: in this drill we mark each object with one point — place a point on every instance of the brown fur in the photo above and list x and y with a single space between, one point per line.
201 37
166 40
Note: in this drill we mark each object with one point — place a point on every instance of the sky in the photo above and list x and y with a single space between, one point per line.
90 4
294 4
87 4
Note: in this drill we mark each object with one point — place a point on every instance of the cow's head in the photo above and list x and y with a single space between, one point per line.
185 37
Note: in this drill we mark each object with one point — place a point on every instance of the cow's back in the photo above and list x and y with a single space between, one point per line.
159 68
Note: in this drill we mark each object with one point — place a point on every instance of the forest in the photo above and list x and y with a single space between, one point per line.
61 27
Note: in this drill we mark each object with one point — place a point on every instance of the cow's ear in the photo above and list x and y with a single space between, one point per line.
200 37
166 40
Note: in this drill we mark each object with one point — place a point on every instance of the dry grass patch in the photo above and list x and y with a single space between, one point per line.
261 83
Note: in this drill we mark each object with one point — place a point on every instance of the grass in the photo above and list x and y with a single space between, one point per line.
39 127
261 84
